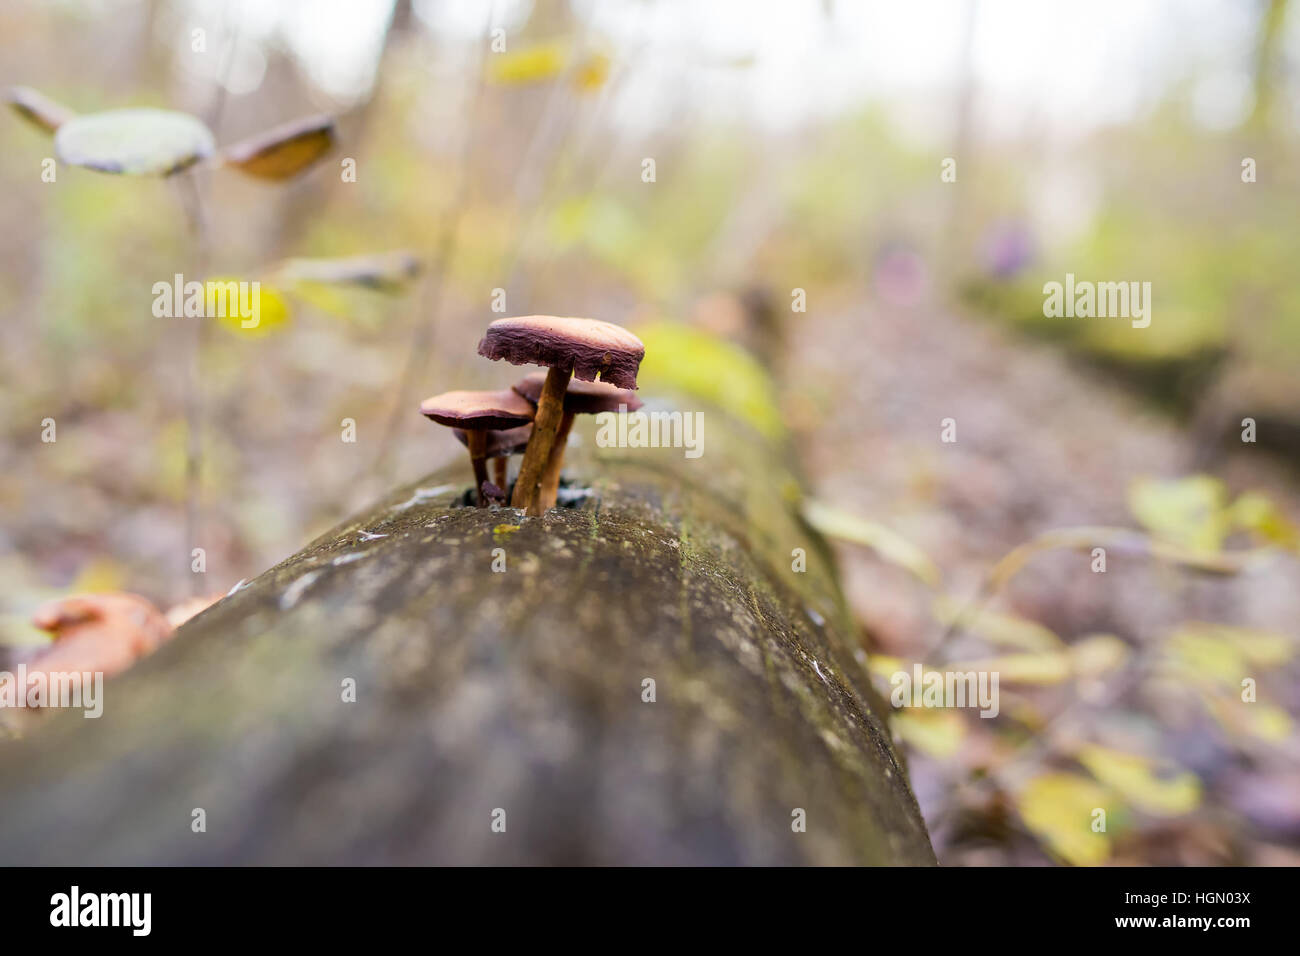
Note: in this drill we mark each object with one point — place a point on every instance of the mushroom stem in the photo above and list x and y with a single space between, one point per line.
550 409
501 472
478 458
550 488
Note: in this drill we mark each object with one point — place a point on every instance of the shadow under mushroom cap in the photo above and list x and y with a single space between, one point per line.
500 443
582 398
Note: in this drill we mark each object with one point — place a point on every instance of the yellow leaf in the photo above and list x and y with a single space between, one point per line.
1058 808
684 359
1096 655
592 73
933 731
1256 513
100 575
1190 512
267 312
884 665
888 544
1004 630
1134 778
1223 653
1049 667
541 62
1254 718
1264 648
283 152
1206 657
532 64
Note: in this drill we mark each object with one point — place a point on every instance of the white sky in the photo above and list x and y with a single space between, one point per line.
1066 65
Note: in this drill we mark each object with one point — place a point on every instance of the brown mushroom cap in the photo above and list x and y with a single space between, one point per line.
582 398
478 410
586 347
500 444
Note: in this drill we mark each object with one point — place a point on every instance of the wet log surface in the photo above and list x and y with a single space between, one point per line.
479 691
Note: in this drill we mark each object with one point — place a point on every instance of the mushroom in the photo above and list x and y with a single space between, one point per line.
478 413
583 348
582 398
500 446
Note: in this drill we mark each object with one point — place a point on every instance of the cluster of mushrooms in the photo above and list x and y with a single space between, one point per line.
590 367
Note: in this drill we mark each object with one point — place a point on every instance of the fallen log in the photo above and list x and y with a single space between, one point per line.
638 677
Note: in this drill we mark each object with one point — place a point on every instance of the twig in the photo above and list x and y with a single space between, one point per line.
430 303
192 199
1122 540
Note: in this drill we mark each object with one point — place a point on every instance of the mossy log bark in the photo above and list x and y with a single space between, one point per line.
515 696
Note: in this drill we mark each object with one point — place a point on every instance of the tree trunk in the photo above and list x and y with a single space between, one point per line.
489 700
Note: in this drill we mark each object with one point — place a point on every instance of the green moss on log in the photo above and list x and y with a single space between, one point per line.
479 690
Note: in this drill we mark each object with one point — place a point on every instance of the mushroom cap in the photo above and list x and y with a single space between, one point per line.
585 347
500 444
478 410
582 398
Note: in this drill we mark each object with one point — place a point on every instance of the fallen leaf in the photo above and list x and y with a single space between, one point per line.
1048 667
938 732
1096 655
1004 630
1190 512
1255 512
1059 808
98 633
1135 778
888 544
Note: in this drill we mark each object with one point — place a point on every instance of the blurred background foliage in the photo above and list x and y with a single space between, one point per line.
797 146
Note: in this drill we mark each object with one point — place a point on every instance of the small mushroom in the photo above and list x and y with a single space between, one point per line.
582 398
500 446
478 413
583 348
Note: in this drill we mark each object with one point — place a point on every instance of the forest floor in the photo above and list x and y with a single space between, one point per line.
1041 443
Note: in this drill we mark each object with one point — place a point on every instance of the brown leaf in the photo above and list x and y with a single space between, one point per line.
284 151
99 632
37 108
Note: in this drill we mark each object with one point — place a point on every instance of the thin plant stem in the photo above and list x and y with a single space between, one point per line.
191 360
433 291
